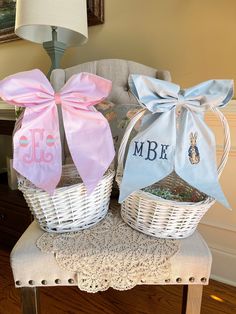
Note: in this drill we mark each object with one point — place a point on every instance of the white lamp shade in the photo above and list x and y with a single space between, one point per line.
34 19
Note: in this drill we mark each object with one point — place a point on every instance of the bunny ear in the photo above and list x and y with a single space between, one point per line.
195 135
191 135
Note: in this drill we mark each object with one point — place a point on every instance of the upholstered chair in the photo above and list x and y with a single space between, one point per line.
188 262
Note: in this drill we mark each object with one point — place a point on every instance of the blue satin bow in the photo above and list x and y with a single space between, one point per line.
174 136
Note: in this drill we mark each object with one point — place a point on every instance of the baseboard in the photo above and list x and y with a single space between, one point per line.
223 280
223 266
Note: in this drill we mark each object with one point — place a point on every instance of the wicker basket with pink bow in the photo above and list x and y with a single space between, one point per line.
62 197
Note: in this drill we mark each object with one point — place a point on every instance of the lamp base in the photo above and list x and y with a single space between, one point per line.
55 50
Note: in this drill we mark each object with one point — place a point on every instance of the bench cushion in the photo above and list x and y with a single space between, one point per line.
32 267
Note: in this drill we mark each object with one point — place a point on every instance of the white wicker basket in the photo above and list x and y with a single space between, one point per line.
159 217
70 208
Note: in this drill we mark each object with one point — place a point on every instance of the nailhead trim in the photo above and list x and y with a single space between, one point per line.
203 279
71 281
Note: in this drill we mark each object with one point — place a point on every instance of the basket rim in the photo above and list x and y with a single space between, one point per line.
151 197
109 173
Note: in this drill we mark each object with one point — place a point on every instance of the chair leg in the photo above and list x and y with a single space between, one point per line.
192 299
30 300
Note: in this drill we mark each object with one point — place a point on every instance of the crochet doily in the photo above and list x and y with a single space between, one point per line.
111 254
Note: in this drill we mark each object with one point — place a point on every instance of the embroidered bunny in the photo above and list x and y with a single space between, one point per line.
193 151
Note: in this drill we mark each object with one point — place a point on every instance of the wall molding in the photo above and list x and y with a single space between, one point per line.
213 120
231 107
216 225
232 152
229 112
231 253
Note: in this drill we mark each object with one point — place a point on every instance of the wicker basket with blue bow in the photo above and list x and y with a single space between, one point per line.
170 178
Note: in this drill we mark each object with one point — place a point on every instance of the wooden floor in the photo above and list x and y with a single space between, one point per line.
140 300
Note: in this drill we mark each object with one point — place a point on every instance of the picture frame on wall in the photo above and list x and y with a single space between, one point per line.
95 10
7 20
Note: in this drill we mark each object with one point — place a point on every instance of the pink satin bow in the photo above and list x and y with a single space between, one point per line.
37 145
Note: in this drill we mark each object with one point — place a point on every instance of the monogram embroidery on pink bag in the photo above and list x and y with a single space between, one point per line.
37 154
37 145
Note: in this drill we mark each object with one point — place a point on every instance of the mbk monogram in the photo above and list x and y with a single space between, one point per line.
38 154
150 150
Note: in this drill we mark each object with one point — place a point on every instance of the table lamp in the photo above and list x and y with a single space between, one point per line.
57 24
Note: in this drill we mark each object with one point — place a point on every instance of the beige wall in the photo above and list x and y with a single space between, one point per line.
218 226
196 41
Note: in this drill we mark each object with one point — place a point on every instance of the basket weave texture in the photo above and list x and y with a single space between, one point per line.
159 217
70 208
